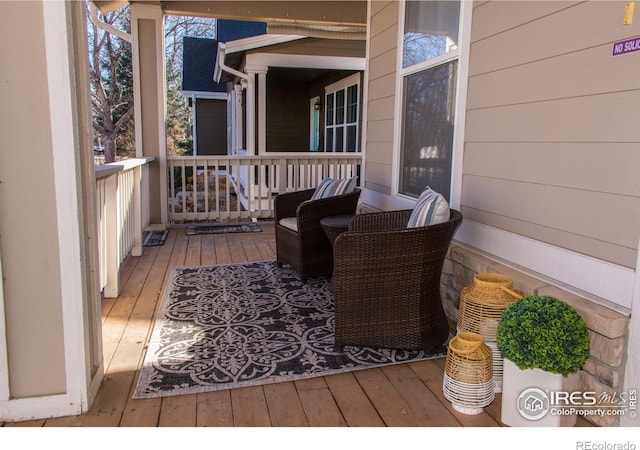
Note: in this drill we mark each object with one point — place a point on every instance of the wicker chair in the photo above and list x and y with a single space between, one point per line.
387 282
308 250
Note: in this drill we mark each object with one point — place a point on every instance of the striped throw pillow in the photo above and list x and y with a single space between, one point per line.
431 208
330 187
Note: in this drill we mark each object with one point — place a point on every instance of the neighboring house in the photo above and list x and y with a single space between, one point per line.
312 94
311 100
523 106
208 99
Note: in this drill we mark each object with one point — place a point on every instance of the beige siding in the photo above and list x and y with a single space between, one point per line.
551 138
28 223
381 96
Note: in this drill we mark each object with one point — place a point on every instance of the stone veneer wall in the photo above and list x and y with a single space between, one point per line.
603 371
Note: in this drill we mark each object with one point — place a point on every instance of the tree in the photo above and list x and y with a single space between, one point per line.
111 77
179 118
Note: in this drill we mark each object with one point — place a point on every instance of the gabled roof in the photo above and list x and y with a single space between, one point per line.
199 54
231 30
198 63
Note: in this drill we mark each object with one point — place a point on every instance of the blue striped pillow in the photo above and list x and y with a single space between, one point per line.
431 208
330 187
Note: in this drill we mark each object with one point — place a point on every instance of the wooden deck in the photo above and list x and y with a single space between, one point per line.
396 396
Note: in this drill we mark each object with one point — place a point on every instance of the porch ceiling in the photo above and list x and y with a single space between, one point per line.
330 12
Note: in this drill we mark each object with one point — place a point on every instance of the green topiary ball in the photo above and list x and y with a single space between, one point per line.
545 333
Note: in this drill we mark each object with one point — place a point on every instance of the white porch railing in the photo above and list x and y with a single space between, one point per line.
123 214
224 188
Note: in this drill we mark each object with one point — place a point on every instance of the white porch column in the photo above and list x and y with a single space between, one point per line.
262 111
147 29
236 118
251 113
256 109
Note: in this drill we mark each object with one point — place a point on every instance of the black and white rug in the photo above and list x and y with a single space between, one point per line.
155 238
227 326
223 228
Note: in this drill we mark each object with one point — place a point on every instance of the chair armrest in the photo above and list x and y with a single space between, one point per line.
286 204
381 221
405 247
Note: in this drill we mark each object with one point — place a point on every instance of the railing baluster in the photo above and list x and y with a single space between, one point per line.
120 217
250 182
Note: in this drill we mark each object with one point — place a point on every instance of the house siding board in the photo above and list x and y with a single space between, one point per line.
385 64
551 126
384 15
377 152
379 109
381 131
489 17
546 163
378 177
603 118
557 208
385 41
381 87
381 96
563 239
585 25
577 74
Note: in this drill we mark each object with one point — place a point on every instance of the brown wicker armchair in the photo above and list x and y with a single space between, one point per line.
308 250
387 282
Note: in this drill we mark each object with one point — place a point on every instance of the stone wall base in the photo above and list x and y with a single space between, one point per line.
603 371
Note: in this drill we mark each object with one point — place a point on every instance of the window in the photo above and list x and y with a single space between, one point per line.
342 115
429 75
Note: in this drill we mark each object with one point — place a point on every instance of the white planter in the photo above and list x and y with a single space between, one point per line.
527 397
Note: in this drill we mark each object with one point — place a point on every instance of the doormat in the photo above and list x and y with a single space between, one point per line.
238 325
249 227
155 238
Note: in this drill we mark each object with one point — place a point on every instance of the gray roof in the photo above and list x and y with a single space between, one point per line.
199 54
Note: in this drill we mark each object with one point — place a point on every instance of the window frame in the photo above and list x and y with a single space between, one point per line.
332 89
461 54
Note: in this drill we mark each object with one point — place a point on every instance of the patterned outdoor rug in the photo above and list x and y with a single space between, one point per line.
221 327
155 238
248 227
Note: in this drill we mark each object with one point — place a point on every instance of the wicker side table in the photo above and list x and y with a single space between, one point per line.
334 225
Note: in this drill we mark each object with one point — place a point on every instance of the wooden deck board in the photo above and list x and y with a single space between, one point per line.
250 407
400 395
214 409
355 406
285 408
389 403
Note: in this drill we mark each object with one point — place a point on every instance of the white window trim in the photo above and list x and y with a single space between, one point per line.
343 83
340 85
464 37
604 283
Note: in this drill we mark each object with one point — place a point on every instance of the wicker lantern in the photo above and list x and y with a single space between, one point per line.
481 307
468 375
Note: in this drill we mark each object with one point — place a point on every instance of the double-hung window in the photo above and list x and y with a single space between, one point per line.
428 76
342 115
